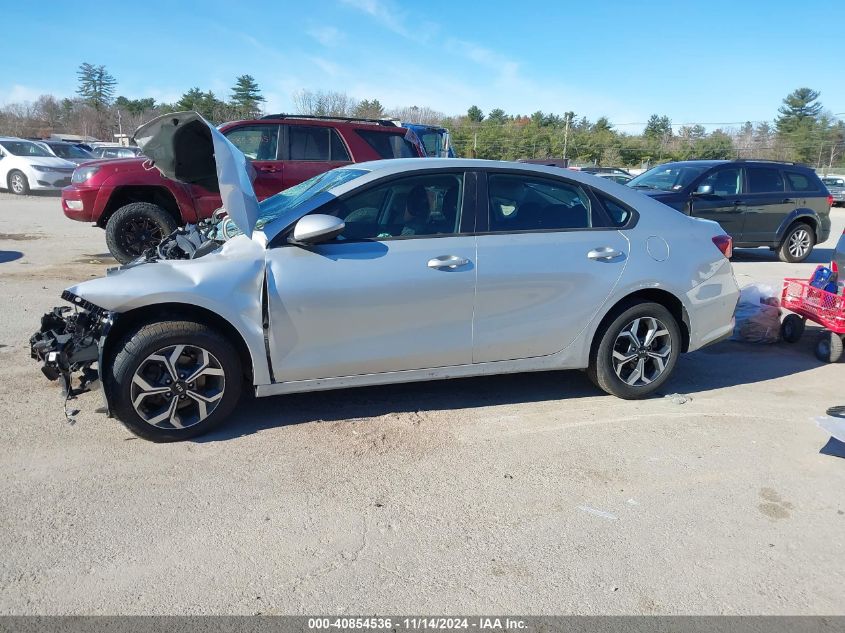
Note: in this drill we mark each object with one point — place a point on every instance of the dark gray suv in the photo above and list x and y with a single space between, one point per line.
783 206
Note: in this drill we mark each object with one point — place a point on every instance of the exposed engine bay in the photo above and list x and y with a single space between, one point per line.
191 241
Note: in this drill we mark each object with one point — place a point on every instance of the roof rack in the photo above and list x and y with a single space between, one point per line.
343 119
764 160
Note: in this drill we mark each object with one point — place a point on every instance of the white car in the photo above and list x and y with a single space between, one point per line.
386 272
26 166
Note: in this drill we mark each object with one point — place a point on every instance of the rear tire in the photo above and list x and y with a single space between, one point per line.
135 228
17 182
792 328
173 380
829 347
797 243
636 352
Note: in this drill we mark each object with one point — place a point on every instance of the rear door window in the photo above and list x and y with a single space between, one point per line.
388 145
316 144
257 142
527 203
801 182
764 180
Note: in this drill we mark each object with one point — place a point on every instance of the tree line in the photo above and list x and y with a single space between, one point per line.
802 131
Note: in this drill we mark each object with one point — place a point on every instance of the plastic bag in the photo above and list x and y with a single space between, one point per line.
757 315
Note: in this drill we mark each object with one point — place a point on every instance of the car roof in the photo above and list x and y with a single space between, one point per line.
389 166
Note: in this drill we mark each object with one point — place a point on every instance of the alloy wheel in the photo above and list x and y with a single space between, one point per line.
177 387
799 243
642 351
140 234
18 185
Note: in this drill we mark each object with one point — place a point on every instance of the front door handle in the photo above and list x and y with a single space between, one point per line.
447 261
604 254
269 169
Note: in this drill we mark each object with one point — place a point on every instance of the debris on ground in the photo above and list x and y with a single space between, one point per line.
757 315
677 398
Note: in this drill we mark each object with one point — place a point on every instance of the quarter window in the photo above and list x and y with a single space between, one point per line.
388 145
800 182
524 203
764 180
257 142
408 207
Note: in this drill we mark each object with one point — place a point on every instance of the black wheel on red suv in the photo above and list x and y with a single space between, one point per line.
135 228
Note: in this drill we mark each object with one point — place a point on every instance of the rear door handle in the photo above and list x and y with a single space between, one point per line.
269 169
447 261
604 253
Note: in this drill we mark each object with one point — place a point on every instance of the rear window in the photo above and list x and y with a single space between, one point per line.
764 180
801 182
388 145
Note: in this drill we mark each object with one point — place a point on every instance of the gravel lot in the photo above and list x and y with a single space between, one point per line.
518 494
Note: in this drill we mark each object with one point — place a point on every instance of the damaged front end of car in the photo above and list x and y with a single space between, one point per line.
71 341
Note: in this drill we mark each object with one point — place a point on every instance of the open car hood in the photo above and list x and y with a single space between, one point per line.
185 147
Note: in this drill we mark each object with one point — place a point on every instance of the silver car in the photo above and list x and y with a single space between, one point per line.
386 272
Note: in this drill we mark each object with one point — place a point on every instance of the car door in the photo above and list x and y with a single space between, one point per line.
725 203
546 264
394 292
767 203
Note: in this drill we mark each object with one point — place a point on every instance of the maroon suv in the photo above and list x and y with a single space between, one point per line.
137 206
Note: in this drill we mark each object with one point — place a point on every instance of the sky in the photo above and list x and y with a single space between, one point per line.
715 62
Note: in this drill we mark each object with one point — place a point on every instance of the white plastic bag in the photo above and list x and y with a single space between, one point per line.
757 315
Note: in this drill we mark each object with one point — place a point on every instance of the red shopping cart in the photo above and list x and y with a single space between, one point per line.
807 302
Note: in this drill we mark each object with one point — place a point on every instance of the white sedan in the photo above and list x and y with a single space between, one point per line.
27 166
386 272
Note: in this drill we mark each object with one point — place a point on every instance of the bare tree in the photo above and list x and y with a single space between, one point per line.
416 114
324 103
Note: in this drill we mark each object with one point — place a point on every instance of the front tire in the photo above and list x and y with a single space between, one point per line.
173 380
636 352
797 244
135 228
18 183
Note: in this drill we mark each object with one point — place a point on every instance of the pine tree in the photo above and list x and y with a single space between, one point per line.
96 86
246 96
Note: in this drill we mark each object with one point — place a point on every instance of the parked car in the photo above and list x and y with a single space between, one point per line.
759 203
622 179
69 151
27 165
138 206
598 171
115 151
839 257
436 140
390 271
836 186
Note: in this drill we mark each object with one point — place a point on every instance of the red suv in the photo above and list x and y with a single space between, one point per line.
137 206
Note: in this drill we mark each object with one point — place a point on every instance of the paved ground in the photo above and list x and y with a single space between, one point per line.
520 494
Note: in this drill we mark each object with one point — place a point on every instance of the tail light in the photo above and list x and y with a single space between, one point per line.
835 268
829 200
724 243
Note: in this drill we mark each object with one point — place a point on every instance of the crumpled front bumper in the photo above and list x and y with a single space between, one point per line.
70 341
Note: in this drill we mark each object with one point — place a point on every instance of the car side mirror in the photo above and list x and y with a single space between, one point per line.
704 190
317 228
